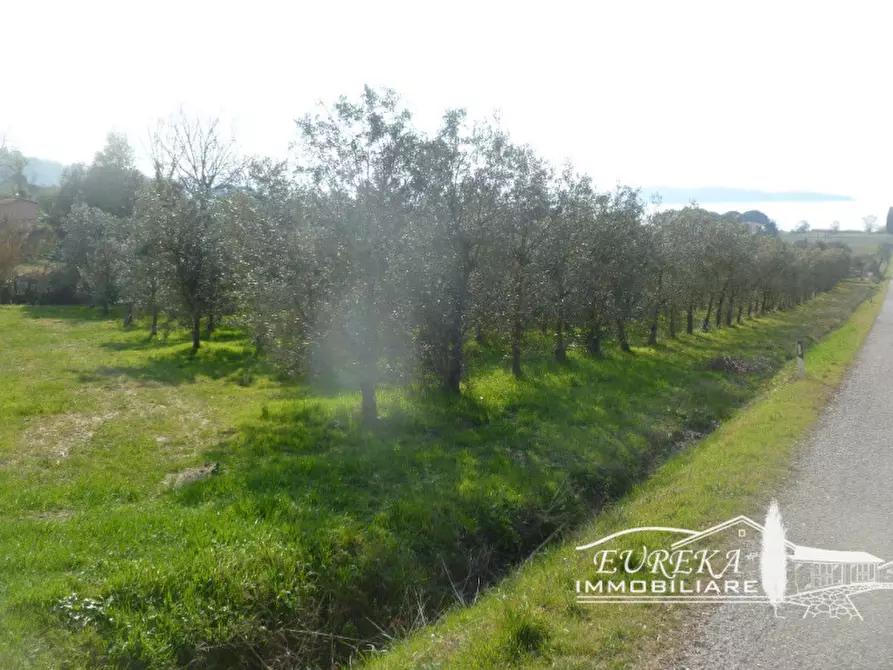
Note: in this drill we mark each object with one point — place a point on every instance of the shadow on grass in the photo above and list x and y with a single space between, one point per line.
177 364
70 312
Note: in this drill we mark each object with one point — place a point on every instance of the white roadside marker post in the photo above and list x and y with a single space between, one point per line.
800 362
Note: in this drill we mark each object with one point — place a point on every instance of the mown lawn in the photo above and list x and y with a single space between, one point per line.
316 538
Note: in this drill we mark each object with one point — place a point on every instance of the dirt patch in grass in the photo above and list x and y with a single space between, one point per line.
55 436
52 515
741 366
190 475
184 427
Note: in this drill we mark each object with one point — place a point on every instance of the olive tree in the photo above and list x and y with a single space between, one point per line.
356 160
194 166
462 175
91 248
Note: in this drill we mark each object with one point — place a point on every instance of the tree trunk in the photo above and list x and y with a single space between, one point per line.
516 347
652 335
621 335
370 404
560 349
479 335
740 311
750 307
451 383
154 329
454 343
706 325
719 306
730 311
196 332
518 304
594 340
128 315
690 319
210 328
673 323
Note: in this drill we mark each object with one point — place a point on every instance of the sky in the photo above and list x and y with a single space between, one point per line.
782 95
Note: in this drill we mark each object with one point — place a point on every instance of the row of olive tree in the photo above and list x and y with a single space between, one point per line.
379 250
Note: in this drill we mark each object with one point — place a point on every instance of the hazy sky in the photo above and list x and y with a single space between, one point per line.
775 95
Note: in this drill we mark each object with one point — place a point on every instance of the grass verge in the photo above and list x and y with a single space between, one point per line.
316 537
531 619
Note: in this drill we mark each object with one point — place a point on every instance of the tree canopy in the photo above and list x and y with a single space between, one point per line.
375 252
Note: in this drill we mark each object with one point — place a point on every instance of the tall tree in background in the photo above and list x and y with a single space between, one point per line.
69 193
17 179
12 171
111 181
142 270
92 249
194 166
12 236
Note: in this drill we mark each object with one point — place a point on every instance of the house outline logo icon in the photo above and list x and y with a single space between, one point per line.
738 561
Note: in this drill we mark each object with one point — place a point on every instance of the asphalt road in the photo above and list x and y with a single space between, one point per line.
839 497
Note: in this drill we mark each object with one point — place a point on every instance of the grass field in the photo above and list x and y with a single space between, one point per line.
316 538
532 620
862 243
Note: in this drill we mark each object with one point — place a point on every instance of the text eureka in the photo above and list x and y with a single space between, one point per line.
710 565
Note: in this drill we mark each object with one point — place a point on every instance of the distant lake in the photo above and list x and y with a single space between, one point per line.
819 214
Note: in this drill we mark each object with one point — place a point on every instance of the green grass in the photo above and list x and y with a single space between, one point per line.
317 537
531 619
862 243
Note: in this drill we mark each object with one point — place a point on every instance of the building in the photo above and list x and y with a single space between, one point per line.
17 211
808 568
885 572
820 568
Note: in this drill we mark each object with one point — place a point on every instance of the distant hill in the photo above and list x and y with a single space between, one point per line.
708 194
42 172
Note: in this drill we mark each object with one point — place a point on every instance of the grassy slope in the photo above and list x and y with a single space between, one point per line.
862 243
313 522
532 620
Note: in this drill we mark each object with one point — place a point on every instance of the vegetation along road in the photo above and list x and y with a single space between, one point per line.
839 498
